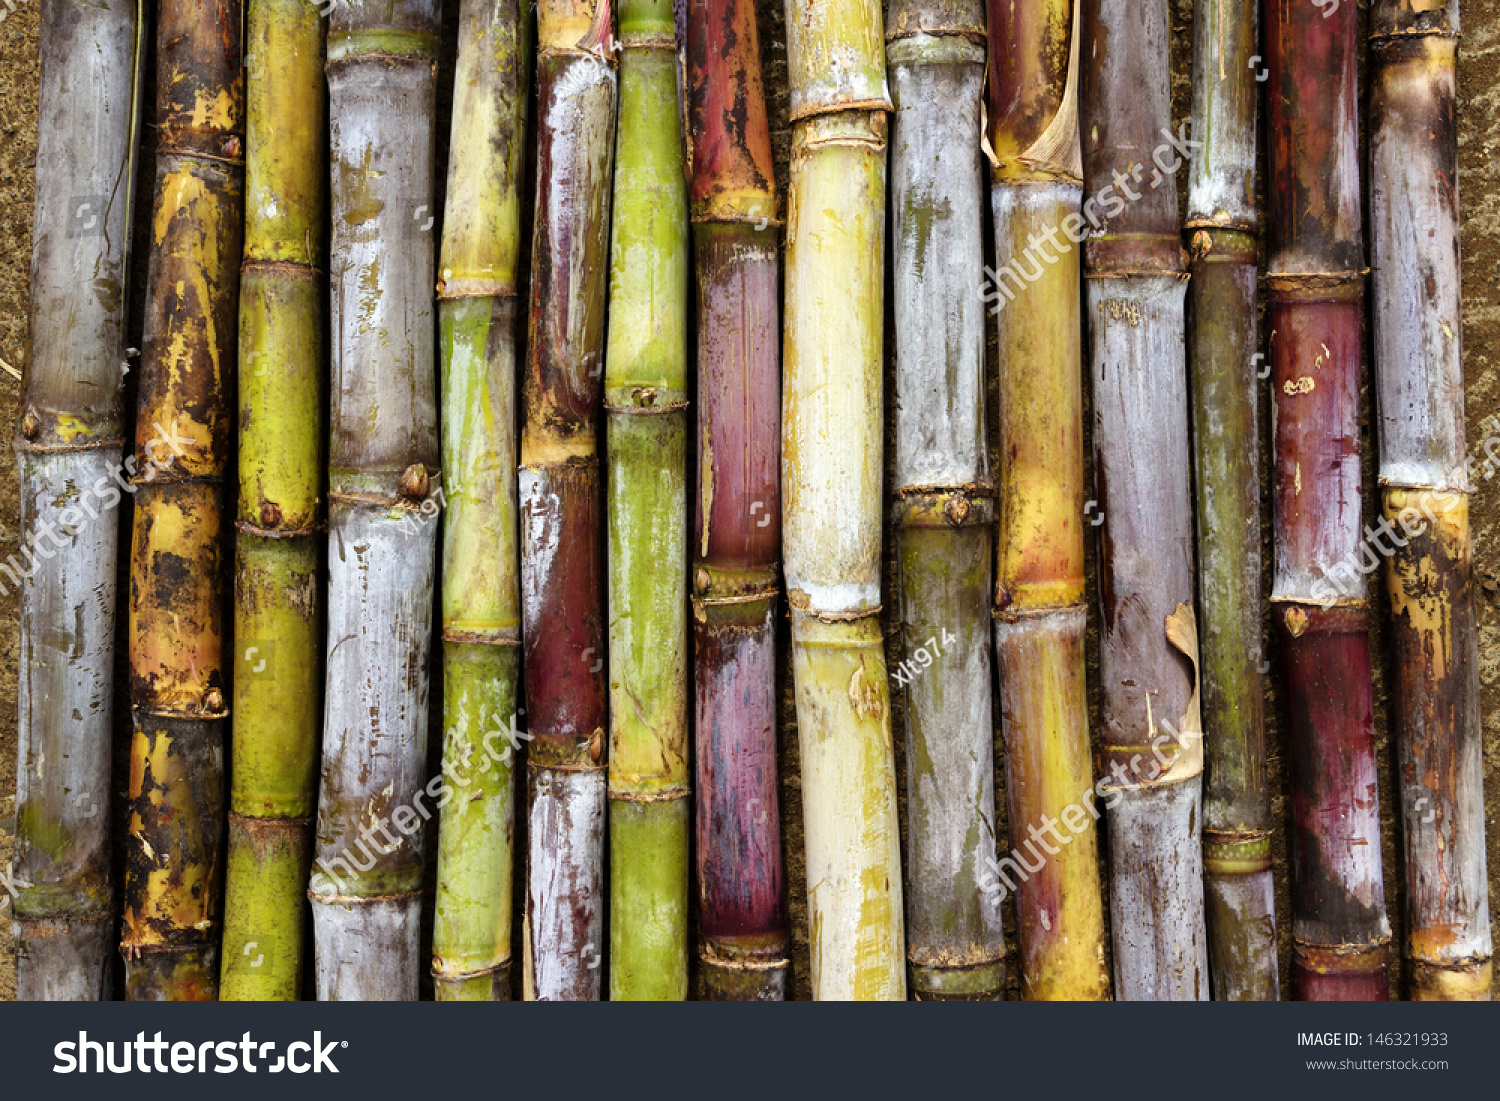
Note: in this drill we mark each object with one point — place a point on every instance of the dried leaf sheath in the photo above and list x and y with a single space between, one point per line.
481 597
943 510
645 401
1039 595
1419 375
562 570
274 744
383 457
174 854
1153 746
1319 609
831 495
68 449
1221 226
737 509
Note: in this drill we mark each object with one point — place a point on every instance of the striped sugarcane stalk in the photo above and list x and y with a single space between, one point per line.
562 607
68 448
737 534
382 480
1316 283
1153 745
831 449
943 508
1040 616
645 400
174 851
481 599
274 759
1222 224
1414 242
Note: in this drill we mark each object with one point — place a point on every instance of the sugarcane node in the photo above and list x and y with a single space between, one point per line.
414 483
31 424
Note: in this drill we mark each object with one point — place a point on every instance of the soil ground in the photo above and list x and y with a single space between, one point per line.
1479 137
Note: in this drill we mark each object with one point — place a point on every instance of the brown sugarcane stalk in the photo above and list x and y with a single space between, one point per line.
1039 595
1425 484
1221 227
562 567
944 509
174 857
68 451
1319 605
736 533
1153 741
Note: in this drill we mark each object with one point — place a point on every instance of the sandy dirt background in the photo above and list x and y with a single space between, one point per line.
1479 144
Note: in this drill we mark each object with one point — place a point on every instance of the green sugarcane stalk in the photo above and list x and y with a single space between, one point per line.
276 688
481 570
645 399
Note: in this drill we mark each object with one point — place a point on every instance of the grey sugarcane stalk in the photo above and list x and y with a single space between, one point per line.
277 690
646 417
69 444
481 598
562 598
1040 616
943 510
375 797
1221 229
1136 283
831 475
174 849
1425 486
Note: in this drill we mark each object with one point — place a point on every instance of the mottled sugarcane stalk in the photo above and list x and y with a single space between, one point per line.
471 958
1221 226
274 746
1319 606
645 401
174 852
1418 330
1039 591
831 490
382 482
736 536
1153 741
68 448
562 606
944 512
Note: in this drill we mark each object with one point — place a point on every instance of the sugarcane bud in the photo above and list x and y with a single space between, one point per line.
270 515
31 424
957 509
1296 621
1203 244
596 745
644 395
702 581
414 482
213 701
231 147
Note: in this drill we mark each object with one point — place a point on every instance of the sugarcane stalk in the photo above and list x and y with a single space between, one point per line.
274 729
382 485
471 958
1430 579
68 449
1039 611
1221 226
736 534
831 449
645 401
943 508
1315 276
1136 284
174 852
562 606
